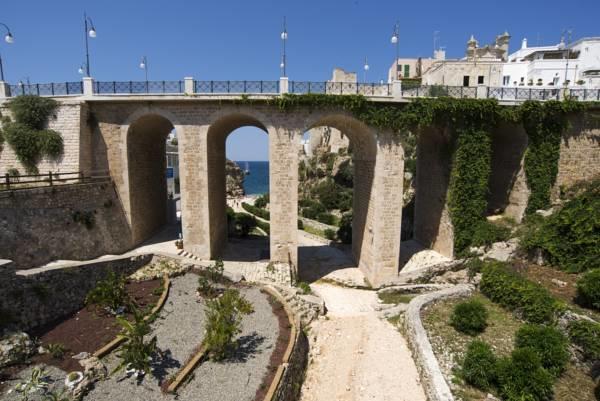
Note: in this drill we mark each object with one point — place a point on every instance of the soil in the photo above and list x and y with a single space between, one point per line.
280 347
90 329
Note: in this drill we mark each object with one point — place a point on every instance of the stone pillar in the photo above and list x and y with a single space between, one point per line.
482 92
4 90
88 86
283 85
189 85
397 89
283 193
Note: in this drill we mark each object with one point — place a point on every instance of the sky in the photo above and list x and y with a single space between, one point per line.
240 40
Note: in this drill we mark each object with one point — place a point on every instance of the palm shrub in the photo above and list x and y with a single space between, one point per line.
469 317
548 343
588 289
522 377
136 353
109 293
224 319
479 366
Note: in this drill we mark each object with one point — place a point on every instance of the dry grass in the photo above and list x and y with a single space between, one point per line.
395 298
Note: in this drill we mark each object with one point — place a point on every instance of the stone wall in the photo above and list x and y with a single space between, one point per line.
293 376
38 225
37 297
68 119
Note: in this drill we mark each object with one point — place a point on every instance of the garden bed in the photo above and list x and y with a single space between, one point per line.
450 347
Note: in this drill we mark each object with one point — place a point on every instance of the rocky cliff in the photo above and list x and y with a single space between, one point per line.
234 182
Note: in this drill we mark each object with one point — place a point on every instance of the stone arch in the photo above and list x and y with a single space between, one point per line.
144 138
222 125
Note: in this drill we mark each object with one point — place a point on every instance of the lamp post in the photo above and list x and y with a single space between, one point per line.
284 36
568 54
144 66
8 38
89 31
395 39
366 68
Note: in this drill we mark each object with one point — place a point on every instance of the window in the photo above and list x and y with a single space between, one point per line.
506 80
480 80
406 71
466 80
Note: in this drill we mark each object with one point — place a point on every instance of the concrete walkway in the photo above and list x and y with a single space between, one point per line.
355 356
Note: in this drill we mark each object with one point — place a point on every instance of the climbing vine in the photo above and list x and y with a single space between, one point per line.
544 124
27 135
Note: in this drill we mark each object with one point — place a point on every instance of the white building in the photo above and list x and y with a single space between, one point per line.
576 64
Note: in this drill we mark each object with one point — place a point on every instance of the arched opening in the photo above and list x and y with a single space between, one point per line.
151 206
237 231
336 182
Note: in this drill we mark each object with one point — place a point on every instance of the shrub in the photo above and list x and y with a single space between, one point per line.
479 366
469 317
32 110
586 335
326 218
345 174
304 287
570 238
135 352
109 293
205 288
300 225
588 289
266 227
224 319
244 223
549 344
51 143
511 290
345 231
262 213
329 234
262 201
522 377
56 350
486 233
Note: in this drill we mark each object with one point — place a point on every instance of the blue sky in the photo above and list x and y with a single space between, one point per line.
239 40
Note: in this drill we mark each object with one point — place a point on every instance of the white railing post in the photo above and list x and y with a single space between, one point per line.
188 86
397 89
284 85
88 86
4 89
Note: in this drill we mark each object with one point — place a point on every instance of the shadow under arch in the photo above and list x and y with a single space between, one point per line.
217 134
145 166
363 142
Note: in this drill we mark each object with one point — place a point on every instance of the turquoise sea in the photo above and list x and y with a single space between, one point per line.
257 182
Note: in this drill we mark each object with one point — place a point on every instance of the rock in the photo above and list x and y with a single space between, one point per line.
477 250
234 182
15 348
81 355
559 283
93 368
490 397
503 251
545 213
452 277
236 277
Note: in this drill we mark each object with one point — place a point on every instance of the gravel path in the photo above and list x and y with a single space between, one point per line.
179 330
54 377
356 356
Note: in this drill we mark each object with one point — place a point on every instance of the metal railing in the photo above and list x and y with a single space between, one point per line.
50 89
340 88
585 94
138 87
12 182
271 87
440 91
524 93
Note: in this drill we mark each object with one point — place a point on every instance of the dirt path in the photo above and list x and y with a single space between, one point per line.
355 356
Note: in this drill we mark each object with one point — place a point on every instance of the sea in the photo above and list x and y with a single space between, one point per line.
257 182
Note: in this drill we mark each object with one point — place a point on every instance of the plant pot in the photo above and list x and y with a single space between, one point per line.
73 379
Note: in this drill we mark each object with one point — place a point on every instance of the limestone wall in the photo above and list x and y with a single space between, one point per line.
38 225
39 298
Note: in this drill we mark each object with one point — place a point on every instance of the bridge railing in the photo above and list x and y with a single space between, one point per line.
49 89
440 91
11 182
340 88
270 87
138 87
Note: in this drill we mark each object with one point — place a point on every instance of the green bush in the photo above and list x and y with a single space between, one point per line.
25 143
135 353
244 223
326 218
511 290
223 322
469 317
300 225
549 344
479 366
588 289
304 287
266 227
329 234
569 238
345 231
262 201
109 293
262 213
486 233
32 110
313 209
345 174
586 335
522 377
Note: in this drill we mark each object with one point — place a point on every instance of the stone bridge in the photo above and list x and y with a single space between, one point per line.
125 135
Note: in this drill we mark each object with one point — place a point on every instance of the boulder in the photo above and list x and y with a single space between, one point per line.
15 348
503 251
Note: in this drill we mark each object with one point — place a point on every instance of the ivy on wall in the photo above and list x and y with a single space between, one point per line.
545 124
27 135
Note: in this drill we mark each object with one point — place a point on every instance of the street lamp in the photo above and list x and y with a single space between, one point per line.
562 42
395 39
284 36
366 68
144 66
8 38
89 31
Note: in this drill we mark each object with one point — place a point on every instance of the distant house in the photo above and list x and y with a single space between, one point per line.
172 169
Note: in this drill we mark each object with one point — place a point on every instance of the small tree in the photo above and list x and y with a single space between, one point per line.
109 293
136 353
224 319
